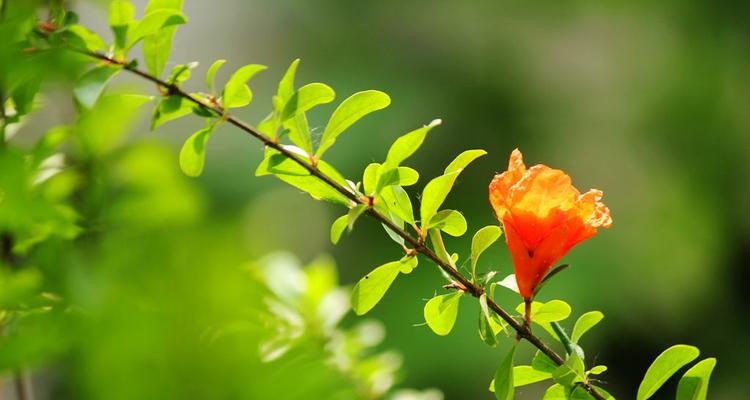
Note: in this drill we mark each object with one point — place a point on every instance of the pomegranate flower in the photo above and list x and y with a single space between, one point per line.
543 217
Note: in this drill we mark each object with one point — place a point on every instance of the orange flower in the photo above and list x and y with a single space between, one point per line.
543 216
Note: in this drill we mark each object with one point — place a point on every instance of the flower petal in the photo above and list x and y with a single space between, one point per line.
502 183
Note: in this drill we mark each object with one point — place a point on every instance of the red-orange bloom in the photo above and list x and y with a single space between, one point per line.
543 216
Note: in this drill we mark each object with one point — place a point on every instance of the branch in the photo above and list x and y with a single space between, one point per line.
475 290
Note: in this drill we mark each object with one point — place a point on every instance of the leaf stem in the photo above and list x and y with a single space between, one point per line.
523 331
564 339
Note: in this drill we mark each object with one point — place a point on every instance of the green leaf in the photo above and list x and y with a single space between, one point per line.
401 176
665 365
408 144
294 174
486 330
211 75
338 227
584 323
481 241
551 311
169 109
463 160
236 92
369 178
89 39
440 312
571 372
504 377
407 176
181 73
158 46
451 222
370 289
556 392
152 23
286 86
299 133
435 192
121 12
597 370
354 214
526 375
542 363
694 384
307 97
193 153
408 263
350 111
91 85
121 15
398 201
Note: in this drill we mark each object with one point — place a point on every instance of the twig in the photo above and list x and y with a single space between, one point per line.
475 290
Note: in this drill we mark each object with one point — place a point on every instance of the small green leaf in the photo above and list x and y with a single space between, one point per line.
440 312
408 263
694 384
486 330
121 15
584 323
350 111
193 153
597 370
169 109
541 362
401 176
307 97
434 194
463 160
89 39
158 46
407 176
211 75
286 86
236 92
451 222
369 178
408 144
481 241
338 227
556 392
571 372
398 201
181 73
526 375
91 85
294 174
299 133
370 289
504 377
665 365
152 23
354 214
551 311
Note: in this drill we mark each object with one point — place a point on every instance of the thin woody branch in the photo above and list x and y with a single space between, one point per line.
460 281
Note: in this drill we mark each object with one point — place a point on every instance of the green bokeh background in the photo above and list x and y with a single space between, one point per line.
646 101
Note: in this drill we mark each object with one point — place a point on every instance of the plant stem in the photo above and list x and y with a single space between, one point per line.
475 290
